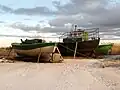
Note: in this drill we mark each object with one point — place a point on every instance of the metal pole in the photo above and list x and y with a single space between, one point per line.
75 49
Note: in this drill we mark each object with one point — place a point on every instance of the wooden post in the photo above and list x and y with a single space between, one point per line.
39 56
9 52
75 49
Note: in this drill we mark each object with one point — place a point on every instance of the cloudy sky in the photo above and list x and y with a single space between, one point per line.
46 17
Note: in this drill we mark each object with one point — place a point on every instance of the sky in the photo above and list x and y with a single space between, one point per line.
21 18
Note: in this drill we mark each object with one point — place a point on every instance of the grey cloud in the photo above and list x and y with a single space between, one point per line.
5 8
42 21
109 37
96 15
109 18
71 8
117 33
85 13
110 34
54 30
104 33
2 22
15 36
81 6
27 19
34 11
80 19
64 9
28 11
19 25
111 31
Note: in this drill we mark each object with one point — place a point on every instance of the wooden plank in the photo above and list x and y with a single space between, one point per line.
75 49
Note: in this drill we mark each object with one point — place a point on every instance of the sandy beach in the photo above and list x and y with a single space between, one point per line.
70 75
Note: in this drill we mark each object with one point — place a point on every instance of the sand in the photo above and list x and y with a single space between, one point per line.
70 75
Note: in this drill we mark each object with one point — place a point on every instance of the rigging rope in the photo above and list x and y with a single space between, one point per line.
73 51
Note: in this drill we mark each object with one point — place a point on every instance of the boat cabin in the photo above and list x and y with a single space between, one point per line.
27 41
75 34
78 35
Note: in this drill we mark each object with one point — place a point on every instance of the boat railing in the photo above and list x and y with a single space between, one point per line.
91 34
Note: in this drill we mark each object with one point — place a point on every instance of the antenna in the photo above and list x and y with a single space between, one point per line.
75 27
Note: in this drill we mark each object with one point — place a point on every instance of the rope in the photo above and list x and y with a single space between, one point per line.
73 51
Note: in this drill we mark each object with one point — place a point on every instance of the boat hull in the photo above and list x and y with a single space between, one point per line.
44 52
35 52
104 49
84 47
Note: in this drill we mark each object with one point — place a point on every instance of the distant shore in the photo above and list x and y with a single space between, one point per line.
6 42
109 41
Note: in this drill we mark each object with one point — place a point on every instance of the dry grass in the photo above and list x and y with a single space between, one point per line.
116 49
4 52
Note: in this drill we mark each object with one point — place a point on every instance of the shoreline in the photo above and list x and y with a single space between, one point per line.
7 42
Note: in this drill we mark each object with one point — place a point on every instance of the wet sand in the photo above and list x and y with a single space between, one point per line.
69 75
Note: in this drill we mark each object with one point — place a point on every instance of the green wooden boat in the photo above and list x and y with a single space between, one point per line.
87 41
37 48
104 49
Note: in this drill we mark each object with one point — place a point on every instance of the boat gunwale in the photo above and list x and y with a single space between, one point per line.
22 46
